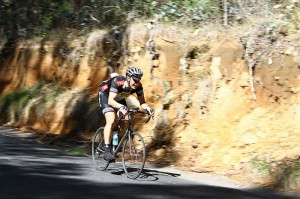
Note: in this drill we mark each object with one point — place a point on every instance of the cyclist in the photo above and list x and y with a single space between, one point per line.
112 94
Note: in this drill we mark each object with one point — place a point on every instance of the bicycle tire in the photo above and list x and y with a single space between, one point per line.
98 150
134 155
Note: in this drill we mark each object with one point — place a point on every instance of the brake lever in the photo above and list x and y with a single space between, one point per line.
121 116
149 117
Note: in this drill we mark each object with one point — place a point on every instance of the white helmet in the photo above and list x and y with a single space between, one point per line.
134 71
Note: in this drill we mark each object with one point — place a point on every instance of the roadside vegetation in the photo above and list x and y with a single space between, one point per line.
48 104
39 18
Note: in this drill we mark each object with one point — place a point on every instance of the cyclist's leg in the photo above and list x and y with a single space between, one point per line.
109 114
109 121
123 125
110 118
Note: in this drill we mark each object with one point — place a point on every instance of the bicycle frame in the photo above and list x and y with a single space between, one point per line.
131 145
128 131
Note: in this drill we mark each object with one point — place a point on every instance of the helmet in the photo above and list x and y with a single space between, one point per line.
134 71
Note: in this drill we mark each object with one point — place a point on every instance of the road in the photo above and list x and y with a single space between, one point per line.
32 170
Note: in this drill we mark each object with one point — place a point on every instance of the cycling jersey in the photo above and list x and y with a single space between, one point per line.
116 85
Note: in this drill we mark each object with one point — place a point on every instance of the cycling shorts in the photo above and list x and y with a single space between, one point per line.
103 102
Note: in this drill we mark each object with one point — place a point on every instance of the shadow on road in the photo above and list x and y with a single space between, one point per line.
18 182
29 170
147 175
155 174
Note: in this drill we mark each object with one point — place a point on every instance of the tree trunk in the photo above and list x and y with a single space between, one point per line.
225 7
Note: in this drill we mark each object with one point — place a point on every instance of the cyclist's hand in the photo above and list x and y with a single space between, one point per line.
122 111
150 112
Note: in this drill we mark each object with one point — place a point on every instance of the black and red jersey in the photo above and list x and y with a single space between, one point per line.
117 85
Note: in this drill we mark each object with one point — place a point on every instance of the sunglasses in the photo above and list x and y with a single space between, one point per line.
136 80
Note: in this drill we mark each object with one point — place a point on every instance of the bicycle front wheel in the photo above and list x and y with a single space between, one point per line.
134 155
98 150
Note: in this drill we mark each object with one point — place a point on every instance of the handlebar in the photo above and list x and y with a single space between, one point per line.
135 111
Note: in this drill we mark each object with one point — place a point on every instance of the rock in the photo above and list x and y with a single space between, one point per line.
231 172
135 49
290 7
244 82
294 90
277 6
215 68
290 50
278 155
200 170
196 32
270 61
185 99
249 139
160 152
245 159
136 56
183 66
170 98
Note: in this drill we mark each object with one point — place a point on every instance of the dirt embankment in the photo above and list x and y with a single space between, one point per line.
209 117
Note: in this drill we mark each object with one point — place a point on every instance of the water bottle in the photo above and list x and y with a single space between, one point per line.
115 139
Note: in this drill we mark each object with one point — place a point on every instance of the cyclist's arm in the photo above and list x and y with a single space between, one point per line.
145 106
111 100
143 103
141 100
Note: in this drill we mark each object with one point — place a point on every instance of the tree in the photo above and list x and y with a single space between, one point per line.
225 8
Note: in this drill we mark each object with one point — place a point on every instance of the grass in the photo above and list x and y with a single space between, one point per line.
293 20
12 105
14 102
45 102
284 175
77 152
262 166
288 175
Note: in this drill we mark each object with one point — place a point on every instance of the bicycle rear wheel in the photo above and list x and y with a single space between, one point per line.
134 155
98 150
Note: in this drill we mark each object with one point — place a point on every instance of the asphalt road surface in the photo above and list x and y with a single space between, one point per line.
29 170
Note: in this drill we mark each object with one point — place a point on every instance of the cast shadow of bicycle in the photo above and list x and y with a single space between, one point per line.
147 174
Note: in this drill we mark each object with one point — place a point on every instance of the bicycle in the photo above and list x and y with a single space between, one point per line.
133 150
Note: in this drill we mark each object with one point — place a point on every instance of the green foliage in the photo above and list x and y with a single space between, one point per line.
13 104
180 11
76 151
294 175
15 100
167 87
294 19
284 174
25 105
39 17
288 174
262 166
32 18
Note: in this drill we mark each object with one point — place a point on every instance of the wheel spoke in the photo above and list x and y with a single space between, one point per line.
134 155
98 150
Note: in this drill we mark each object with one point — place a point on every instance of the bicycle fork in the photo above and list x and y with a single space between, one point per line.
132 147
